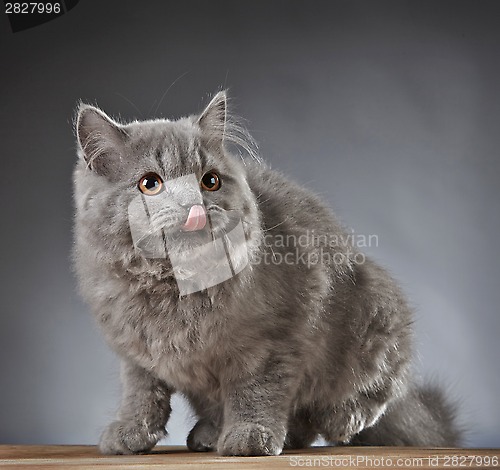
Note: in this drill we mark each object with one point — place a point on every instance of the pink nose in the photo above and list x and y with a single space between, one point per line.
196 219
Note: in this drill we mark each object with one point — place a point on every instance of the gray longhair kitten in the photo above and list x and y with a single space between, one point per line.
216 277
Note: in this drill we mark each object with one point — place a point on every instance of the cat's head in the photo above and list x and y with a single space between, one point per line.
163 190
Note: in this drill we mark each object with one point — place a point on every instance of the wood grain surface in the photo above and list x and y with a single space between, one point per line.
87 457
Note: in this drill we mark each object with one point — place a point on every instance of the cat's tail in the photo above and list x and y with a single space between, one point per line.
422 418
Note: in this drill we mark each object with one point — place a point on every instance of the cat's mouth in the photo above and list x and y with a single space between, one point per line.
172 223
200 223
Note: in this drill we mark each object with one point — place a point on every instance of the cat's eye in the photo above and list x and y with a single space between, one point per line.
210 181
150 184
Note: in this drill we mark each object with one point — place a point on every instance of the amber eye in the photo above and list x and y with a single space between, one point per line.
150 184
210 181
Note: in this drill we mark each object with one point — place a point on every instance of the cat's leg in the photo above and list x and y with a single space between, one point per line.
338 424
205 433
203 437
301 430
143 414
256 413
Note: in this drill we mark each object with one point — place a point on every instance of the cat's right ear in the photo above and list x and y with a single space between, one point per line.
101 140
212 120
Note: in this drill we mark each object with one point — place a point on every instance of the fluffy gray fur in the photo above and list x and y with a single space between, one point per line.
272 357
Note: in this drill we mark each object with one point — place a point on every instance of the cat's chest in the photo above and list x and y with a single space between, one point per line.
184 350
189 359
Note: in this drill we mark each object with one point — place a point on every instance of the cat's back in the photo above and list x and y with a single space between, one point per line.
284 201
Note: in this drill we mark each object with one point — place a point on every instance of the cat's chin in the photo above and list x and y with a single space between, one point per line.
178 239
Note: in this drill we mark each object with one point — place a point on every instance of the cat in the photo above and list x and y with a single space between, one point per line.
212 275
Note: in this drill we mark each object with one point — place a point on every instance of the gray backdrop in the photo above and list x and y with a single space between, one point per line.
388 109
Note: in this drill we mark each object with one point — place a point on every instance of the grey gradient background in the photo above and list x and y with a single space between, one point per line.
388 109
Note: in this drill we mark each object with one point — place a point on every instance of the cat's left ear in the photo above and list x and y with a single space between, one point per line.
212 120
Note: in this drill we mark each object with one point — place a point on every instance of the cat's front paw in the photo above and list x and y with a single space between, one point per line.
249 439
203 437
122 437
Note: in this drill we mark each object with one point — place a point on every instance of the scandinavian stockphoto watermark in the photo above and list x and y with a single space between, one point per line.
386 461
311 248
207 247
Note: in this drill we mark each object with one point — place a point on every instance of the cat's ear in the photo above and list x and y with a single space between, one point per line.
101 139
212 120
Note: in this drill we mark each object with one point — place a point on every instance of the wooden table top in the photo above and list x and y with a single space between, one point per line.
165 457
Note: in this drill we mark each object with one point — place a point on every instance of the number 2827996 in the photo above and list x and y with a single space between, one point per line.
32 8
